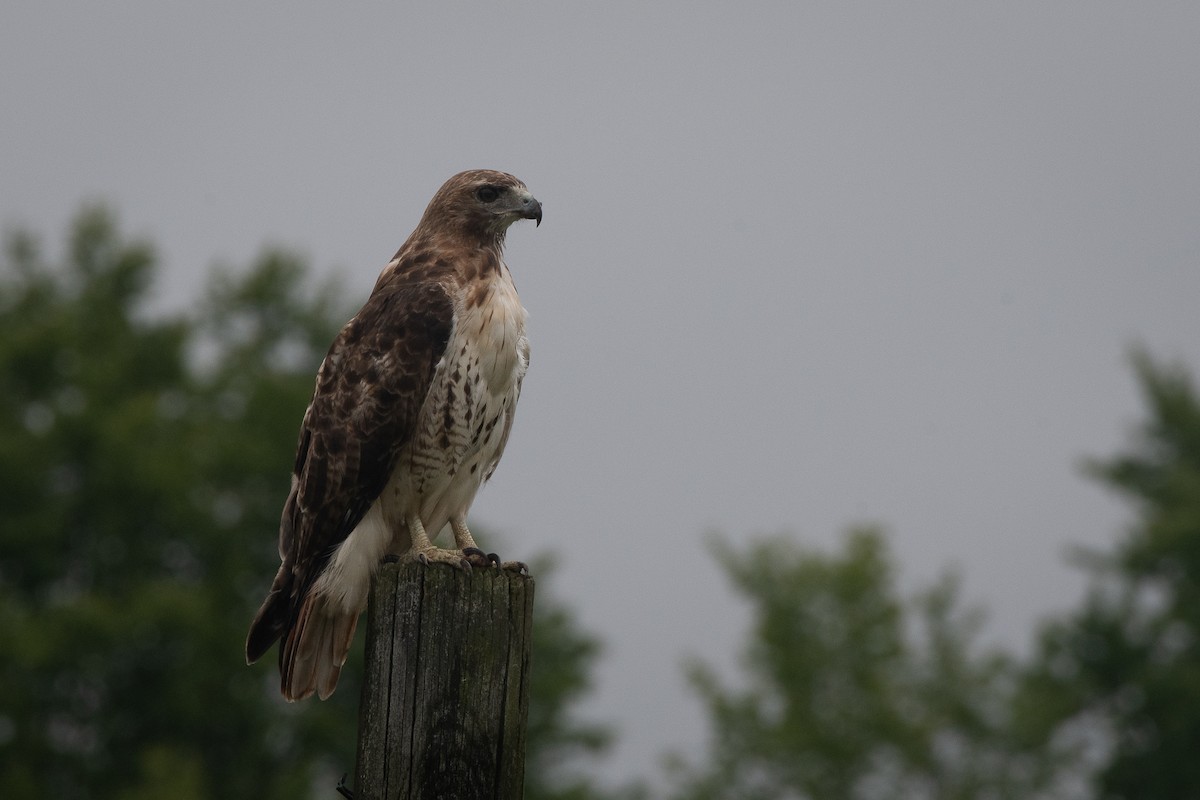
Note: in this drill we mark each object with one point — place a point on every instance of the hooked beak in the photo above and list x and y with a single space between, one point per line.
532 209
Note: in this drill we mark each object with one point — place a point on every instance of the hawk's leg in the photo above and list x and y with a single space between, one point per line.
464 539
466 543
426 552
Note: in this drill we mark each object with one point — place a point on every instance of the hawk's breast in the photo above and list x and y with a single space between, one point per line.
466 418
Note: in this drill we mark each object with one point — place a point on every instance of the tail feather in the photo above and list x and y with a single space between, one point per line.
315 649
271 621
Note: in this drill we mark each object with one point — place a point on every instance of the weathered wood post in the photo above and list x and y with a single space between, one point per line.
445 684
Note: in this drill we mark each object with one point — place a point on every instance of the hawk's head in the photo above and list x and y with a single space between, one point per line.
481 202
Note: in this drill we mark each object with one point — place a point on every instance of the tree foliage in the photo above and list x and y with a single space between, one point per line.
556 740
1116 684
143 463
852 691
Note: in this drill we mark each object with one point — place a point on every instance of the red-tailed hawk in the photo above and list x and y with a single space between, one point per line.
412 408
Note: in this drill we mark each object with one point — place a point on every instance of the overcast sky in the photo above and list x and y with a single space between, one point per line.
802 265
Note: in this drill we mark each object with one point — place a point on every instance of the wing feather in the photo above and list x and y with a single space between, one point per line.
364 409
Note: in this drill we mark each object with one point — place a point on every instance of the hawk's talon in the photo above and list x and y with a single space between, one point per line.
519 567
436 555
476 557
493 559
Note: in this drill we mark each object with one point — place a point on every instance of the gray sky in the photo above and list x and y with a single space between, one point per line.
802 266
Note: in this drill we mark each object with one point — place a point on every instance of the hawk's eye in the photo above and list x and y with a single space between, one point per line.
487 194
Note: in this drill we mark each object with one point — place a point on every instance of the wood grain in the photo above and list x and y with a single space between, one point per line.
445 689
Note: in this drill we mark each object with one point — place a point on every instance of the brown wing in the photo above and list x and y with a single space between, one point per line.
369 392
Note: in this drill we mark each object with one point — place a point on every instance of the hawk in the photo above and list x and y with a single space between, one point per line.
412 408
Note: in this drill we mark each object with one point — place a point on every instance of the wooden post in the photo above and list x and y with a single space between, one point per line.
445 684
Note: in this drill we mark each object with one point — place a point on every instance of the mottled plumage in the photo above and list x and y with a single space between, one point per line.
412 409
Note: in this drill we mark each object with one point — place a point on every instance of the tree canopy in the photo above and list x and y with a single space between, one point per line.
853 691
144 460
850 690
143 463
1115 685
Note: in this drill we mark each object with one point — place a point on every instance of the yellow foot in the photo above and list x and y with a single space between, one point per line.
438 555
465 559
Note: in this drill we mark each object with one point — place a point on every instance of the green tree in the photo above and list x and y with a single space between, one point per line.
851 691
143 463
557 741
1116 684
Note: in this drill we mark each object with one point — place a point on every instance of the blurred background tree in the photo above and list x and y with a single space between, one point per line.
143 464
851 691
1115 685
